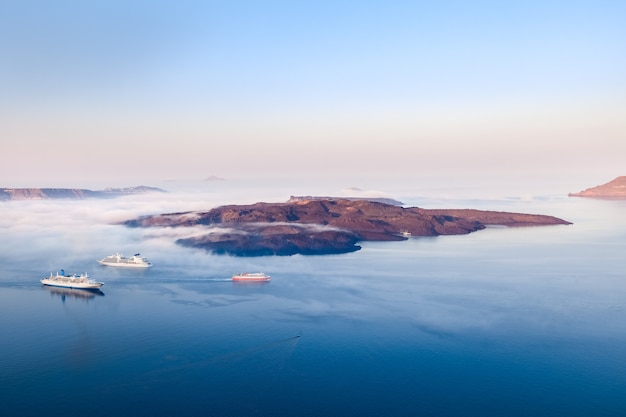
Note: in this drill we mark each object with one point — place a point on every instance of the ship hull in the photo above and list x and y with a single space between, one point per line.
251 279
124 265
255 277
75 285
120 261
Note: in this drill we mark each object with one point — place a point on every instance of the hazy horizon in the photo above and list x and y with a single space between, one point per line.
186 193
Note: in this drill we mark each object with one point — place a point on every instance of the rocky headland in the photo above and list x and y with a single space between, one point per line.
7 194
325 226
615 189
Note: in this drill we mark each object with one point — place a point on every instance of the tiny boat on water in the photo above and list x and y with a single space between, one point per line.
251 277
135 261
81 281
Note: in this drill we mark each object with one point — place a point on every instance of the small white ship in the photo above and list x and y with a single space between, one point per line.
135 261
81 281
251 277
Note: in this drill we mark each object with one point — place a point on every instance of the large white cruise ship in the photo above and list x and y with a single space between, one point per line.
81 281
135 261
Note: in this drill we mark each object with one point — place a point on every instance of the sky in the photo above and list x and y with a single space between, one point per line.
136 92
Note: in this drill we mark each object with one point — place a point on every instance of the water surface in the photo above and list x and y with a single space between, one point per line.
515 322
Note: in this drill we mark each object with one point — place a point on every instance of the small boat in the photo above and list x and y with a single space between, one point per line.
81 281
135 261
251 277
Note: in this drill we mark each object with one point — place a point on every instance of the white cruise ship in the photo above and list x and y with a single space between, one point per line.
81 281
251 276
135 261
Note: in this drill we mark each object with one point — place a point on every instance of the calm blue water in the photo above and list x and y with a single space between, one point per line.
509 322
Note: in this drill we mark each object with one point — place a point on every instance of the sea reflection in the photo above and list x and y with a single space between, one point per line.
75 293
250 284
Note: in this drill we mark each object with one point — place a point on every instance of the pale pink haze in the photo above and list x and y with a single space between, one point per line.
105 95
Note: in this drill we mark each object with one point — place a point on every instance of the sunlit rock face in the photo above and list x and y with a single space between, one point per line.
325 226
613 189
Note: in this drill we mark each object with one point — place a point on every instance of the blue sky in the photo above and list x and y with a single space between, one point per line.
137 91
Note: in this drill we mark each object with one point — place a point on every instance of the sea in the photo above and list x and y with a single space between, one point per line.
501 322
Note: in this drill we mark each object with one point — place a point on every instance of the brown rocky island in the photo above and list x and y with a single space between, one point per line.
326 226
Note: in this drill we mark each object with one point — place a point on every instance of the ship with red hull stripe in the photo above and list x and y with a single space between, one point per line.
251 277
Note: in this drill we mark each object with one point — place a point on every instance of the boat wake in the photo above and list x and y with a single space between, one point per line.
198 280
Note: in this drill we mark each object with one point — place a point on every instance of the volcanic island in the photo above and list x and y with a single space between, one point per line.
318 226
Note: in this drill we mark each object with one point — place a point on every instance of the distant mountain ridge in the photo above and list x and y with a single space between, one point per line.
384 200
9 194
612 189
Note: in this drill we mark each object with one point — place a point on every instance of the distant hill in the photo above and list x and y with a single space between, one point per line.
8 194
214 178
384 200
613 189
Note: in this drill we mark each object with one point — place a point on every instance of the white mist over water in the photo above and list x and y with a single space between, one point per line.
58 232
71 233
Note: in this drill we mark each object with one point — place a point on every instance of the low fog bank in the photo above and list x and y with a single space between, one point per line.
56 232
41 236
48 235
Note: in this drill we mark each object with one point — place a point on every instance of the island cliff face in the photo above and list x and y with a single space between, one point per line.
325 226
614 189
